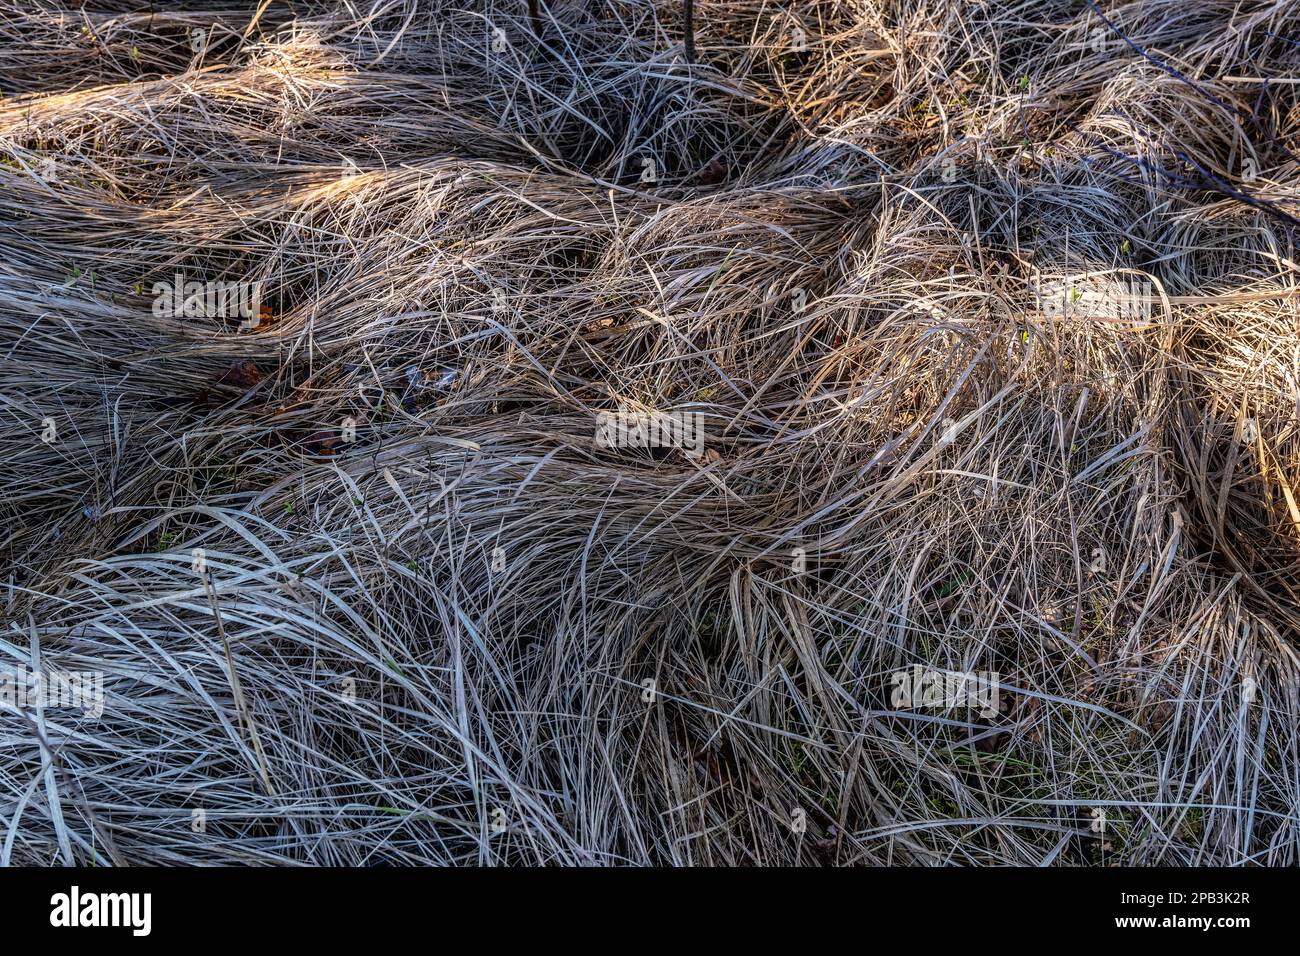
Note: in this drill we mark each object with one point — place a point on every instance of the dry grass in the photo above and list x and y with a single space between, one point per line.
834 264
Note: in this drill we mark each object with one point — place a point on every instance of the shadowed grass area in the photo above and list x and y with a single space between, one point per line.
987 312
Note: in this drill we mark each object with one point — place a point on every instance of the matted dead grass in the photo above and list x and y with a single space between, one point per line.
435 620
